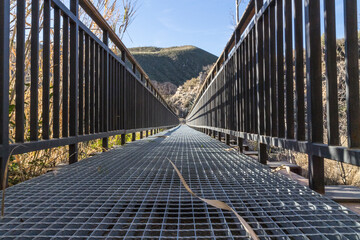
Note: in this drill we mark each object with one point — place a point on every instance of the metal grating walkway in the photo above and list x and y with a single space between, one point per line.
132 192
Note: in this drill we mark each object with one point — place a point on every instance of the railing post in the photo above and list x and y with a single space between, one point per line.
314 93
123 139
105 141
4 84
141 135
219 136
147 133
240 144
259 68
133 137
227 139
74 79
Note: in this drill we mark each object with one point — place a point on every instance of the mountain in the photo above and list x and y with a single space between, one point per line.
175 64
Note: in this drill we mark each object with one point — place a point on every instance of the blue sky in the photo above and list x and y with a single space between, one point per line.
164 23
203 23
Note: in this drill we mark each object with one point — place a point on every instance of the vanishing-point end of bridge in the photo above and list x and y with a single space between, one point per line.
133 192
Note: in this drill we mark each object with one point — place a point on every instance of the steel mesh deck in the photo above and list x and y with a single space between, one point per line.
132 192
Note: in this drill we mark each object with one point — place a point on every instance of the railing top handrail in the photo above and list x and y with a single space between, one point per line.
240 28
91 10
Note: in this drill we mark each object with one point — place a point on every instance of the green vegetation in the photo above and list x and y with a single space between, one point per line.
175 64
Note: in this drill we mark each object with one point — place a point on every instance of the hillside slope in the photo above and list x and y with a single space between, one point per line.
175 64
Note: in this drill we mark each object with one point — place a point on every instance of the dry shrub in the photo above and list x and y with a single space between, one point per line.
25 166
336 173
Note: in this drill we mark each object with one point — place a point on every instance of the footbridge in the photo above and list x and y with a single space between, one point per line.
84 86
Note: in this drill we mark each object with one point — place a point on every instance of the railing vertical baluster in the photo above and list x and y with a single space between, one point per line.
314 92
254 87
260 75
20 71
65 76
273 72
226 97
239 91
299 71
101 90
352 76
331 73
117 80
92 87
105 92
123 97
246 85
266 74
114 117
280 67
110 96
133 103
289 70
34 70
4 84
74 81
56 87
97 83
127 100
242 84
87 85
222 102
81 82
46 71
250 82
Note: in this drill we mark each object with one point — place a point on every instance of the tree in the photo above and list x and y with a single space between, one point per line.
237 3
119 14
236 18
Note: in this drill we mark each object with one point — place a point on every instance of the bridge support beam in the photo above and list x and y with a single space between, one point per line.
219 136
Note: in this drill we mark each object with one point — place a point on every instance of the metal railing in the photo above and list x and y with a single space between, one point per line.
257 88
93 93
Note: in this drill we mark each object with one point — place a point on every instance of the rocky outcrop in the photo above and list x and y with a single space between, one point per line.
185 95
